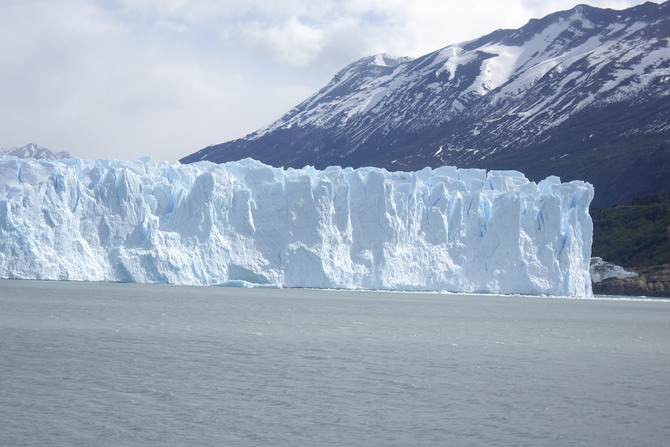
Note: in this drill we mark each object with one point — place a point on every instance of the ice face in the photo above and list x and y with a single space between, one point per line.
464 230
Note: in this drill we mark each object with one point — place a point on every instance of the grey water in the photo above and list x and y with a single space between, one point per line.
95 364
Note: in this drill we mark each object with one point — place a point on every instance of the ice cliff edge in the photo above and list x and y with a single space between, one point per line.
460 230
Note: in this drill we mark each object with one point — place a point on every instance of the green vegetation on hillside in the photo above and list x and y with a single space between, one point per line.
635 235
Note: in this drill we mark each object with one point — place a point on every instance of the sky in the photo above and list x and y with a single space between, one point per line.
121 79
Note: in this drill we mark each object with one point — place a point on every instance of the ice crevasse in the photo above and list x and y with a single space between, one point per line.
444 229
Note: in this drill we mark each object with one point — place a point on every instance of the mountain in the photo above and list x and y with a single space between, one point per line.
34 151
583 94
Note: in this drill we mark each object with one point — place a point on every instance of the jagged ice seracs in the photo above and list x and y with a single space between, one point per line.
444 229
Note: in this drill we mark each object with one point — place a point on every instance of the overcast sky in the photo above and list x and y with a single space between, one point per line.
126 78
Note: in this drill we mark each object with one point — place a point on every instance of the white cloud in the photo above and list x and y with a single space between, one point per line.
124 78
292 42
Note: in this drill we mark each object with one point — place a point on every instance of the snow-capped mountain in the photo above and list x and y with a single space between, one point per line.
34 151
583 93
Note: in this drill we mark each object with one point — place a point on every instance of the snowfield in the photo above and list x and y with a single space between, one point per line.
243 222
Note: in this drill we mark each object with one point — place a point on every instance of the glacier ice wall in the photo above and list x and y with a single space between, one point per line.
461 230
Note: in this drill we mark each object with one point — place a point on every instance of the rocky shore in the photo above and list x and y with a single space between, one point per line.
651 281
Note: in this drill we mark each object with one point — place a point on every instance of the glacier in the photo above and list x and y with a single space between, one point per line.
241 223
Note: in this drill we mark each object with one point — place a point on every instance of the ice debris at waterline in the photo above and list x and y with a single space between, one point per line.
460 230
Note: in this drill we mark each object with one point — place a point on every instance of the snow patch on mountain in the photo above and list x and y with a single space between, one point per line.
453 57
496 70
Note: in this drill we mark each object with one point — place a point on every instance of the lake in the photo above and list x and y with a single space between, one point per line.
103 364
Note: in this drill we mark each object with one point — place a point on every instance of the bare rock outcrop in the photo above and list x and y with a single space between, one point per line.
651 281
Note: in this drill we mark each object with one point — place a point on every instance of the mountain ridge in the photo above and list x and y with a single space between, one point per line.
31 150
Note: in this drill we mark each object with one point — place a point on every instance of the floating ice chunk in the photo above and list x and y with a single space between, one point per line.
602 270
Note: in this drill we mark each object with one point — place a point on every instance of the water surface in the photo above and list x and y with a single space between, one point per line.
155 365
